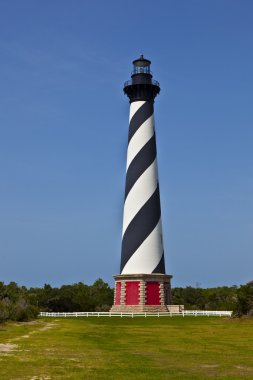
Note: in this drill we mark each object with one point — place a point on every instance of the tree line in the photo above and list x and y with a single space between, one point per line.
234 298
19 303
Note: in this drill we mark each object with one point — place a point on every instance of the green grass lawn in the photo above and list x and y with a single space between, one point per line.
138 348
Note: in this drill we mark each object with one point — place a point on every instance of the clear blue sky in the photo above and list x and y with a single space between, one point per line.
64 126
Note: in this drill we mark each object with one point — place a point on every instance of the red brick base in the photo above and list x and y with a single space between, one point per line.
142 293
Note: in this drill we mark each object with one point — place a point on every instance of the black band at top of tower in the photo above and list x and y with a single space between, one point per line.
141 86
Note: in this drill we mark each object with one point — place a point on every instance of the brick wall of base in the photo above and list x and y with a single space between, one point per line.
160 286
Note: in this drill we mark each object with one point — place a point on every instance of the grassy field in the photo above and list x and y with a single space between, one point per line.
138 348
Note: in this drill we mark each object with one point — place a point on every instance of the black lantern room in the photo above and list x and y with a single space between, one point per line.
141 86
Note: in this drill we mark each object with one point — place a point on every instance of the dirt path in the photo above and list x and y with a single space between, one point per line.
8 347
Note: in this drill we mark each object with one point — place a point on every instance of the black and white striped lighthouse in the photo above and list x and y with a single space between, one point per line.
142 284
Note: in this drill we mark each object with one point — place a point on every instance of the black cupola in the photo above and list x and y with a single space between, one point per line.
141 86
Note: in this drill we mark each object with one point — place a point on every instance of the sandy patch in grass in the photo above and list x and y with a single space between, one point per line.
48 326
7 347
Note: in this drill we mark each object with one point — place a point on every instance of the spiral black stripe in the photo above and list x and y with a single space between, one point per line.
140 227
140 116
140 163
161 266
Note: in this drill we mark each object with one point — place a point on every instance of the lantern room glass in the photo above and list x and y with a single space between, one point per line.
143 69
141 66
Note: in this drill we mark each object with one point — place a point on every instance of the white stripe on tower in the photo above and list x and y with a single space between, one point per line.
148 254
134 108
140 138
142 246
142 190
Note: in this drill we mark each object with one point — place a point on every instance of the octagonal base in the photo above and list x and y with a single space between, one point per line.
142 293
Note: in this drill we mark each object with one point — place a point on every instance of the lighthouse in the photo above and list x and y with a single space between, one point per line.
142 284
